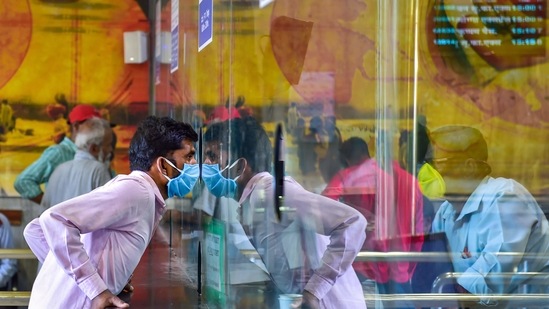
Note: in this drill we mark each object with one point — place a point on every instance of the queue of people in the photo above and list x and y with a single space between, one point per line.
308 249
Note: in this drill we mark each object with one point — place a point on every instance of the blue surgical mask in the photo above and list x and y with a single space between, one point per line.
184 183
218 184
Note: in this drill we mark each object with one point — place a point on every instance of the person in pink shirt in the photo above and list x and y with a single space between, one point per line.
360 185
91 244
309 249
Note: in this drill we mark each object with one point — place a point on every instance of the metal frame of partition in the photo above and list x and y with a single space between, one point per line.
447 299
15 298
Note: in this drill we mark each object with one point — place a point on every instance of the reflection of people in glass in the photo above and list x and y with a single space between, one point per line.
292 117
312 144
330 163
8 267
356 185
311 248
413 152
499 216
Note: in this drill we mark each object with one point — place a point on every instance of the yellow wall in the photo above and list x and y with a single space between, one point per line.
348 59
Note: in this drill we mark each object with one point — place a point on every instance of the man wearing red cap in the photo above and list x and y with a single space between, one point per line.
29 181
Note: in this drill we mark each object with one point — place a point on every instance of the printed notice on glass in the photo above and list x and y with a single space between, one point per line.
174 59
491 27
213 261
205 23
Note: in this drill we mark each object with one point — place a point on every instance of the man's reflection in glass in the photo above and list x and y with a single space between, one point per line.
246 275
310 249
497 228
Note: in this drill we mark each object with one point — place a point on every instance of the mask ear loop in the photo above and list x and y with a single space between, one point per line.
231 166
171 164
245 165
160 170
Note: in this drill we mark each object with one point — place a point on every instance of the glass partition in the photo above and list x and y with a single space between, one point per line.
402 110
353 152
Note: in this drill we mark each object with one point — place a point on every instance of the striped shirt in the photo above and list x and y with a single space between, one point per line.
29 181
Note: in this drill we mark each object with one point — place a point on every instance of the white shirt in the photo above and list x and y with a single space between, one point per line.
76 177
116 222
312 247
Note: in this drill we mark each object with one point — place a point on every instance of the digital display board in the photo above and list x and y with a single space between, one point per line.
491 26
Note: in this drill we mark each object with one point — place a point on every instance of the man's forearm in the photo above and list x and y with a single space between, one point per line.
28 188
37 199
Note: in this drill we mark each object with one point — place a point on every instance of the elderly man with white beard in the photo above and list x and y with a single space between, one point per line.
88 170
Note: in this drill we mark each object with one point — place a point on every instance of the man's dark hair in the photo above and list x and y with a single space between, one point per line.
246 139
354 150
157 137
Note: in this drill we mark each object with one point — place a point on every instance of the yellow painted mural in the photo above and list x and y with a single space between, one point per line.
479 63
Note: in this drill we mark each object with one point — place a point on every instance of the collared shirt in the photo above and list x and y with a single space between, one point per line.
311 247
75 177
93 242
8 267
358 186
500 216
29 181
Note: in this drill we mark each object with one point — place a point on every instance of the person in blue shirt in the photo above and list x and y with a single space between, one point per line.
8 267
498 229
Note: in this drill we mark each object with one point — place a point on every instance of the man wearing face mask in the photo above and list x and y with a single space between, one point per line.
498 217
105 232
310 249
216 205
88 170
